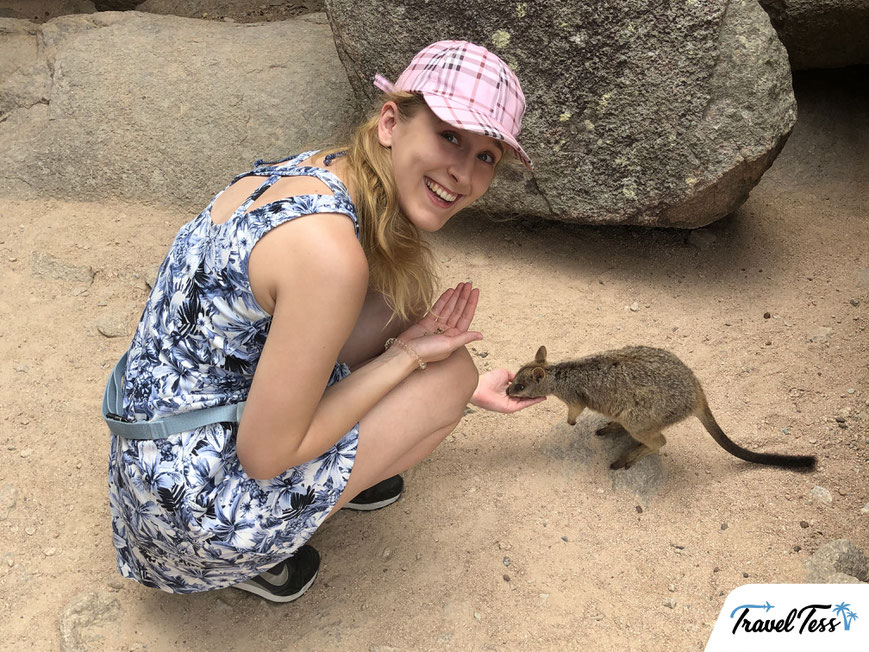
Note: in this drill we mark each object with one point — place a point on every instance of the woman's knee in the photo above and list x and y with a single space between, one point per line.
458 380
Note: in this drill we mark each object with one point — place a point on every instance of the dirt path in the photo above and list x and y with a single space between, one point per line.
514 534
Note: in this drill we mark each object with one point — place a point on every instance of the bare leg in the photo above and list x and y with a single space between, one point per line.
372 329
409 423
649 443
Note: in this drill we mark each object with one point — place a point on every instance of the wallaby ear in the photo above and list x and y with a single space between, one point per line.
538 373
540 358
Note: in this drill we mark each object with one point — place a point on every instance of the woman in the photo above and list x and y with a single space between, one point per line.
254 304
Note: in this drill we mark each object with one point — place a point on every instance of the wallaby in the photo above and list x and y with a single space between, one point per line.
643 390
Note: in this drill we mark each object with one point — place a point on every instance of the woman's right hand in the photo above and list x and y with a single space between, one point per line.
444 328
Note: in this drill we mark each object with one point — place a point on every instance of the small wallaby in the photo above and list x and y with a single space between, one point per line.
643 390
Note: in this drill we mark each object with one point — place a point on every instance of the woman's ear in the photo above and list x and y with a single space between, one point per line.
387 122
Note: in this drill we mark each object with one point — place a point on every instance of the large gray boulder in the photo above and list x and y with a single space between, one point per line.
822 33
639 112
159 108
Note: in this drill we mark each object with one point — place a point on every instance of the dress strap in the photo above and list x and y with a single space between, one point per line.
265 185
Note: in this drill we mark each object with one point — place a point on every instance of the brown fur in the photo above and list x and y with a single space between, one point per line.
643 390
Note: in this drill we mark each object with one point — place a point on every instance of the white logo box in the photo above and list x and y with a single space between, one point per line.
793 618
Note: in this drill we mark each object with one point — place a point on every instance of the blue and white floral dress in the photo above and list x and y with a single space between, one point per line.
185 516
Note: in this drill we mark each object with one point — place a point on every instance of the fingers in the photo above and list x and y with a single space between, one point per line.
466 337
454 310
517 404
449 308
437 309
467 315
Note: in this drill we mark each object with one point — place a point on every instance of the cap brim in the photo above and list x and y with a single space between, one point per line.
462 116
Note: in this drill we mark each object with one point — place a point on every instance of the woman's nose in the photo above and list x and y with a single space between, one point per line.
460 169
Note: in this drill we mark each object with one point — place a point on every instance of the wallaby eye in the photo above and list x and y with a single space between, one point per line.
520 387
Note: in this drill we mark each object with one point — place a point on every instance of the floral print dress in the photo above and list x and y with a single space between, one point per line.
185 516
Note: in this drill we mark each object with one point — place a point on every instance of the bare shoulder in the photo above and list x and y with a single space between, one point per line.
311 251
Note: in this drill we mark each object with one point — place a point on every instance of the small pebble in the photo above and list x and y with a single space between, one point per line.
671 588
822 495
804 524
724 526
786 431
851 390
30 530
840 419
766 315
387 553
506 561
506 577
745 574
27 452
635 307
797 548
639 510
669 603
565 539
478 616
48 552
854 302
716 569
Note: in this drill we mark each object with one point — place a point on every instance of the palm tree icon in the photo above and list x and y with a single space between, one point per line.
843 609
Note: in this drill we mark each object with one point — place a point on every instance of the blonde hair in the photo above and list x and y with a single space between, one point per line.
400 263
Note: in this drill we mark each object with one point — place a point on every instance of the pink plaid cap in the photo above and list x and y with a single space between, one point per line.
469 87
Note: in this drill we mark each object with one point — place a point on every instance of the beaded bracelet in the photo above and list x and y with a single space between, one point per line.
406 347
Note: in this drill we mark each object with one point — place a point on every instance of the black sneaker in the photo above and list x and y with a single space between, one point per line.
380 495
288 580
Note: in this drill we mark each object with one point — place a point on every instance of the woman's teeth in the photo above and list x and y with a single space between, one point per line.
440 191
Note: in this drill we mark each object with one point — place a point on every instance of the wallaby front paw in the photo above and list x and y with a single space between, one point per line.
572 422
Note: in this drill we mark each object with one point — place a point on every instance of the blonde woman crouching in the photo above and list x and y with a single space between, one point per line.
255 305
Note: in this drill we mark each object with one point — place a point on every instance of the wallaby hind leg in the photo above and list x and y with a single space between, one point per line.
573 411
649 443
613 428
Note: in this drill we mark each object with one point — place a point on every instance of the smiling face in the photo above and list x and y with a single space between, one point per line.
439 169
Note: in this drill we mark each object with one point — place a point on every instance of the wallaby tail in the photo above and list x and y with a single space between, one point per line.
787 461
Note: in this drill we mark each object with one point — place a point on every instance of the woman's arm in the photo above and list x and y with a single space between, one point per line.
315 272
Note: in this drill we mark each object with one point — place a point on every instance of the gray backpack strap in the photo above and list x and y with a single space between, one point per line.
113 399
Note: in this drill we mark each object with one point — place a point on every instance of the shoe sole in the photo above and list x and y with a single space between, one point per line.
264 593
368 507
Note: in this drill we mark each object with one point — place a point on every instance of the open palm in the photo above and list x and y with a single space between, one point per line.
445 327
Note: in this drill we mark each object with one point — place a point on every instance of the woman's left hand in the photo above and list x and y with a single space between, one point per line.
491 393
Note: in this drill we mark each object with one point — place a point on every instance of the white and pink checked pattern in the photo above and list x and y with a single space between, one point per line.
469 87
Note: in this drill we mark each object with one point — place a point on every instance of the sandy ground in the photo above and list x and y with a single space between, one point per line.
514 534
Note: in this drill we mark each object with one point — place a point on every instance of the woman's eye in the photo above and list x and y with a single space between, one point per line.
450 136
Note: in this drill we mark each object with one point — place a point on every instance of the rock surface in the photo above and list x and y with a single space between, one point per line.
636 114
190 103
84 617
822 33
837 562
